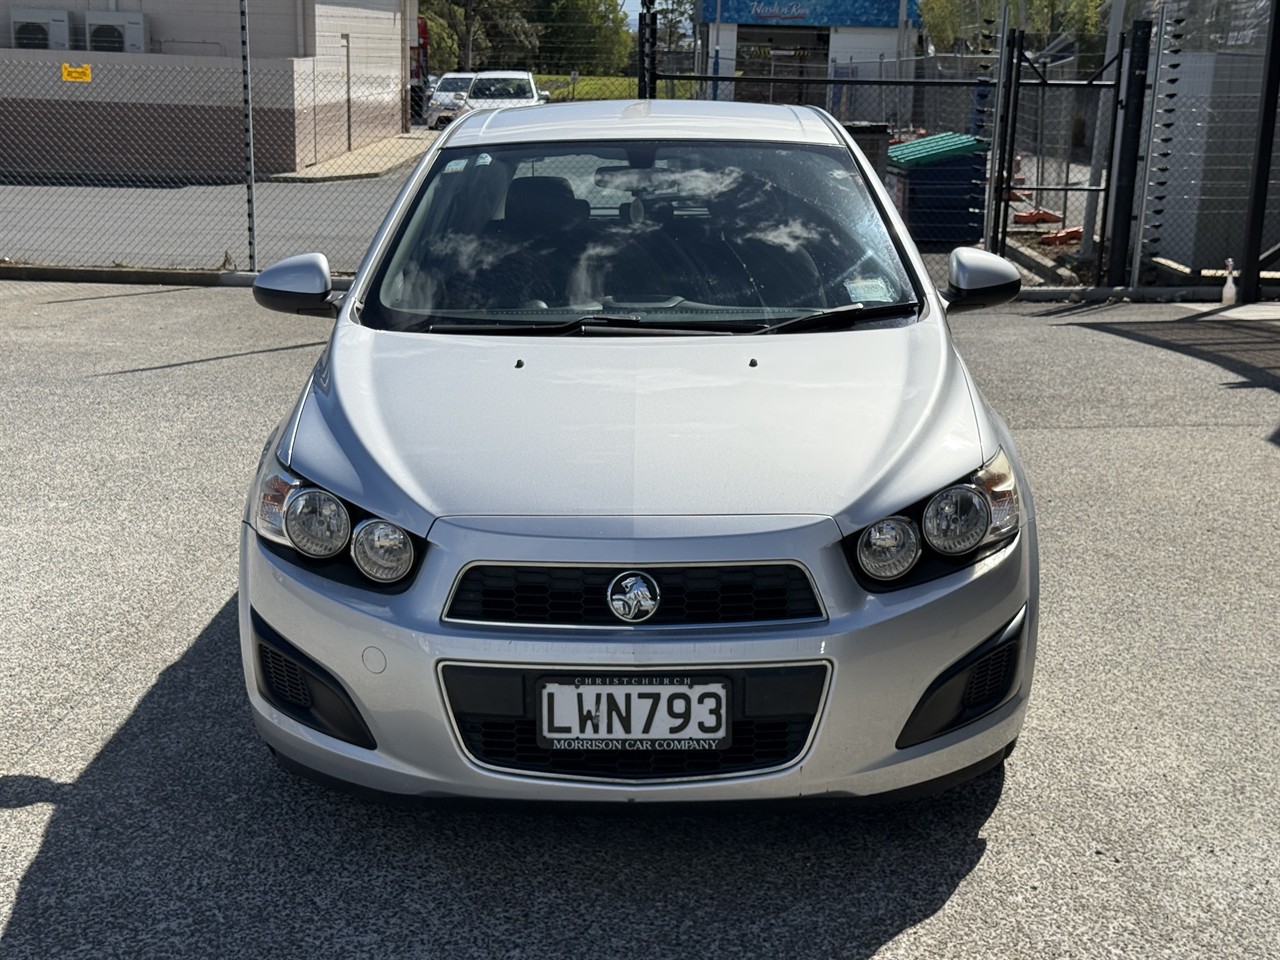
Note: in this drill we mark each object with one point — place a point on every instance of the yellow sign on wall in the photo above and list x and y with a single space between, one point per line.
80 74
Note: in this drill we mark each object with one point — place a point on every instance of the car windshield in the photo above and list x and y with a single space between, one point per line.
703 232
501 88
454 84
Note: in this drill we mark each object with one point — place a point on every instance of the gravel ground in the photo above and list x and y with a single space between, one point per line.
140 817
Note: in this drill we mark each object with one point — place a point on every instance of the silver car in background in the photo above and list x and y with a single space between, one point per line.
640 466
448 99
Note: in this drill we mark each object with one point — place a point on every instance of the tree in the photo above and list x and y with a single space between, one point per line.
675 22
471 34
590 36
949 21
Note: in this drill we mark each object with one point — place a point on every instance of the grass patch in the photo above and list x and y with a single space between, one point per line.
608 88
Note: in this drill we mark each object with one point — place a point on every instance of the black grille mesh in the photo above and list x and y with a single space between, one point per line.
773 710
284 677
990 677
689 595
756 744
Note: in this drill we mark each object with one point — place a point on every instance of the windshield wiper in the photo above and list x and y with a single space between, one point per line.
842 318
630 323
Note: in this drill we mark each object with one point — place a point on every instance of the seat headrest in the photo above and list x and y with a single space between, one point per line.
546 202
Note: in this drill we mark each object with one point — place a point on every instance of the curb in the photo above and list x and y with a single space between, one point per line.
138 275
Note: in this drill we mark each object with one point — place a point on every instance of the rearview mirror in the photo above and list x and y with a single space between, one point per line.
978 279
300 284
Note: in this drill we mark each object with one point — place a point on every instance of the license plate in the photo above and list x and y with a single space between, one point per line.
633 713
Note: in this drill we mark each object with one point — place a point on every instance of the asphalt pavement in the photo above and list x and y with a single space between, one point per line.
141 817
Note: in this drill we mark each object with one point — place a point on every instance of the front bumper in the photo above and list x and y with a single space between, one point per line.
880 655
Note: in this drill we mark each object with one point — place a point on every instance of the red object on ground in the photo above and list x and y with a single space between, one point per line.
1036 216
1069 235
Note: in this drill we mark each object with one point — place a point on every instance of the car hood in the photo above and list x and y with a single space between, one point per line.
852 425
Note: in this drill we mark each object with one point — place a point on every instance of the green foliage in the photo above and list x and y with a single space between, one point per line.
590 36
675 23
949 21
562 88
479 34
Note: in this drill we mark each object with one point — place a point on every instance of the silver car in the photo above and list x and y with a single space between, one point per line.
640 466
448 98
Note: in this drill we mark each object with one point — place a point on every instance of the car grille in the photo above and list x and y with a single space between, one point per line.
578 596
774 709
284 677
990 678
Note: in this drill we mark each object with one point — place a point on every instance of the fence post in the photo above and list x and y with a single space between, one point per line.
1135 96
1251 272
649 49
248 129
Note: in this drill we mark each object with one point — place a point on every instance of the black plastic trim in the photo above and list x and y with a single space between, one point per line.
331 711
942 708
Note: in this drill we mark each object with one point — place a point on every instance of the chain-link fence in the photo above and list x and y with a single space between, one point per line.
114 159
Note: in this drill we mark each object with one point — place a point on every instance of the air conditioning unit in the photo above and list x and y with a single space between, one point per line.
112 31
39 29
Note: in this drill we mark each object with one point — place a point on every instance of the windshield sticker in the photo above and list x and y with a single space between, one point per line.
455 166
873 290
483 160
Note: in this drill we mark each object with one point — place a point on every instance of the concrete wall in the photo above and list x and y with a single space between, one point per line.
153 118
863 45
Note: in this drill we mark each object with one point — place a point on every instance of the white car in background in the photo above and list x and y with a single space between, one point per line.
504 88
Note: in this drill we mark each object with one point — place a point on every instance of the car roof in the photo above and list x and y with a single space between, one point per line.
458 73
645 119
522 74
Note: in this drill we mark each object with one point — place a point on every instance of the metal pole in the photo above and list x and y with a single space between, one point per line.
1096 162
1251 272
1136 266
715 66
1011 157
1135 94
1111 148
994 185
249 176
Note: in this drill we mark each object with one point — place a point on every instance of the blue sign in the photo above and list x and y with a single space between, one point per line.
811 13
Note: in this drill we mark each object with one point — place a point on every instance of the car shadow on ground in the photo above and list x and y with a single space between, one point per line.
1246 348
182 838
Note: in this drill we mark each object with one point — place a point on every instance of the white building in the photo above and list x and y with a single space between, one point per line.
143 89
815 39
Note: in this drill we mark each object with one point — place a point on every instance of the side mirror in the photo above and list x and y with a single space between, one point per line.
543 96
977 279
300 284
459 97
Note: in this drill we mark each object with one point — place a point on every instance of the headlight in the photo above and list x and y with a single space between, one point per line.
316 522
267 511
956 520
1001 487
382 551
889 548
954 527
